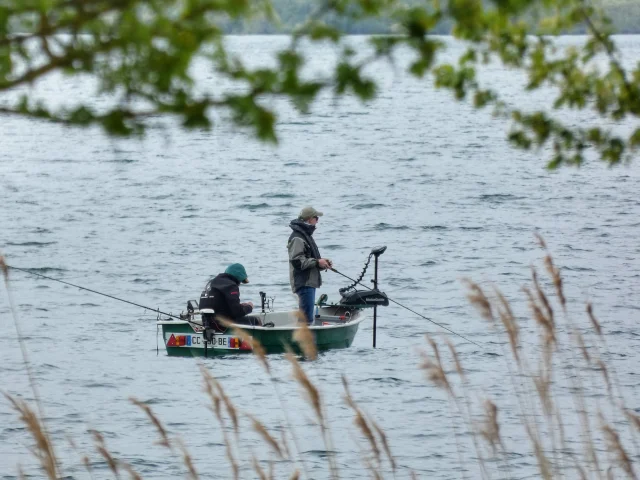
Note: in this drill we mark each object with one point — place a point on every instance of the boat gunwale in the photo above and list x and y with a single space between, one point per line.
357 321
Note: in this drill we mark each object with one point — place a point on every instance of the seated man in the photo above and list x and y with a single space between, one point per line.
222 294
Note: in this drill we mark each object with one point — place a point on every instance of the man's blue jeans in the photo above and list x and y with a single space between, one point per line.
307 298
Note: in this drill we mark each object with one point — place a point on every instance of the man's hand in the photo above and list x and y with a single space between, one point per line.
248 303
324 263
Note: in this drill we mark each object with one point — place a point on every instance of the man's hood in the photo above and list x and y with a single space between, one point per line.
301 225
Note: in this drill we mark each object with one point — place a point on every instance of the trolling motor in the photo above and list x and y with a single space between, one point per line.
366 298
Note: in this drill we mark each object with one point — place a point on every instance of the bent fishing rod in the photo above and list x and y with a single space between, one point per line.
94 291
407 308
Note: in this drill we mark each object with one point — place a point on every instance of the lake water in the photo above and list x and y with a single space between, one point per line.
151 220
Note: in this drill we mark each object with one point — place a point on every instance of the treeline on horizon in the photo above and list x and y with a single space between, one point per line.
625 16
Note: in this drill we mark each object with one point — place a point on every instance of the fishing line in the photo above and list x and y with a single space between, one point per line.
100 293
407 308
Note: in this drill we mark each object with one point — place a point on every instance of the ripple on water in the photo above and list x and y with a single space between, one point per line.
152 218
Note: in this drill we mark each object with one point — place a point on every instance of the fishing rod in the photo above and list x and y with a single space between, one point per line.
99 293
407 308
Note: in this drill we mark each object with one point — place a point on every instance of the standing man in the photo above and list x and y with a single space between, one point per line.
305 262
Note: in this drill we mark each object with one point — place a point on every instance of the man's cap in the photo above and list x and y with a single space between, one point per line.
237 271
309 212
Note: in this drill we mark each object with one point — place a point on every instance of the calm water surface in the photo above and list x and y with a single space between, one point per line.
150 220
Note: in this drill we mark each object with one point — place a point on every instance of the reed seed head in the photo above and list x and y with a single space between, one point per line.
256 346
557 280
491 429
509 322
4 267
304 338
433 369
312 392
262 431
44 448
540 240
112 462
385 444
164 437
188 461
478 299
593 319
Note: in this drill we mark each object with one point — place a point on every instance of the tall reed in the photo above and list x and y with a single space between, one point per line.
562 353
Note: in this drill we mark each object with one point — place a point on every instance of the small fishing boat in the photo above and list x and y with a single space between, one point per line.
334 325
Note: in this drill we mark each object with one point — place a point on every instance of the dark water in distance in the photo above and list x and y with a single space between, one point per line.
151 220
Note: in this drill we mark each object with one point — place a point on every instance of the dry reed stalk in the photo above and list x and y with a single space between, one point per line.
542 297
540 240
557 280
27 365
313 396
256 466
164 437
43 450
5 268
285 445
542 383
525 404
231 409
594 322
491 430
256 346
213 384
581 472
633 418
312 392
304 338
385 445
605 375
434 370
478 299
543 461
295 475
211 390
615 446
260 428
456 360
286 417
84 458
361 421
553 271
541 319
187 460
510 324
469 416
101 447
131 471
583 348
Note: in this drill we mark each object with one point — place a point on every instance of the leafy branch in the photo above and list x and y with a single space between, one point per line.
142 55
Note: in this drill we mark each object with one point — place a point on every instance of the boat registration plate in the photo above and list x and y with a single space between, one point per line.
223 342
